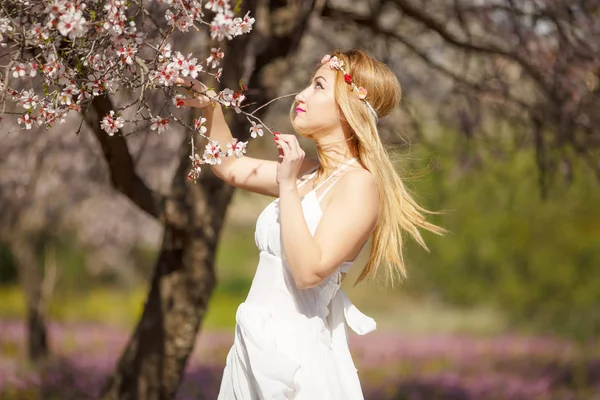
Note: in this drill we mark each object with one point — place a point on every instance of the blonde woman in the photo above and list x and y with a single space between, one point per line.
290 338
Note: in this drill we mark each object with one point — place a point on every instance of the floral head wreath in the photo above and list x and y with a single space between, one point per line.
361 92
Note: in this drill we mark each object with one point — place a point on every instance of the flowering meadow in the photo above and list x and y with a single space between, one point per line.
392 366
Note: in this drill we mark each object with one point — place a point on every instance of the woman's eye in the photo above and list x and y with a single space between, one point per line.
318 84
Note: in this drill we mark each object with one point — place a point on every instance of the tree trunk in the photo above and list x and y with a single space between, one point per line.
30 278
154 360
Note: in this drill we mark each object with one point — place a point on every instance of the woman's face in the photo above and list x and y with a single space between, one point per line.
316 111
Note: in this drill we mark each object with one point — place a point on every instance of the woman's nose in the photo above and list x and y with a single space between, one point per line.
300 98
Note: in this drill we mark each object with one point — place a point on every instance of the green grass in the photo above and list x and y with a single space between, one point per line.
236 262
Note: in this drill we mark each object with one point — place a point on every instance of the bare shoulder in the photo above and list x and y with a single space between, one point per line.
358 180
360 184
355 194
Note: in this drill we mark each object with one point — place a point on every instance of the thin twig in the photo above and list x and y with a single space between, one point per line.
275 99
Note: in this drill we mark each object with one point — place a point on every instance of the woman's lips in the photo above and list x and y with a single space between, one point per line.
299 110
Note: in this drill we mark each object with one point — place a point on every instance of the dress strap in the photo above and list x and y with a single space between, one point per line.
343 167
305 178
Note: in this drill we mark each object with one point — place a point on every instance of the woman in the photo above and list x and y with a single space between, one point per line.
290 338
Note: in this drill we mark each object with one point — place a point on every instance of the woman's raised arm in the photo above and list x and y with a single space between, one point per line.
252 174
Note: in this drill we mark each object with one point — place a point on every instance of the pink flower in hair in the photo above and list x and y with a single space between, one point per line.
362 93
336 63
325 59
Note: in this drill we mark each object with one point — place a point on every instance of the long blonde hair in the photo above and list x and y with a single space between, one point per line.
398 211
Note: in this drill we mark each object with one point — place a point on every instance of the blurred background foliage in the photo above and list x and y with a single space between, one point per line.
513 260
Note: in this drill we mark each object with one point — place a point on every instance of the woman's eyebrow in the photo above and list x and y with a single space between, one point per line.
317 77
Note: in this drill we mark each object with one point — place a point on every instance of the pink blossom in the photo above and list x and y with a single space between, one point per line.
110 124
362 93
336 63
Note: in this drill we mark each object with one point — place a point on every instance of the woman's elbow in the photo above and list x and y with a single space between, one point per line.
223 171
308 281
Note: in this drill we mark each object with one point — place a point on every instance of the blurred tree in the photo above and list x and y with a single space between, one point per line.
532 64
26 223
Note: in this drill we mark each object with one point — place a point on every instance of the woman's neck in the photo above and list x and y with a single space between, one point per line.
334 148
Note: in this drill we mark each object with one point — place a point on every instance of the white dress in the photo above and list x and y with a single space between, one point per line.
292 343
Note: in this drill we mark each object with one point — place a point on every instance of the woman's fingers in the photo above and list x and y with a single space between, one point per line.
295 151
285 148
190 82
199 102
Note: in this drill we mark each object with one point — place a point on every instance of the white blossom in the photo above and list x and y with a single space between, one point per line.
236 148
72 25
256 129
110 124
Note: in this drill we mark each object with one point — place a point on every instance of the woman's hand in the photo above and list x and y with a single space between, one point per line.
290 160
193 85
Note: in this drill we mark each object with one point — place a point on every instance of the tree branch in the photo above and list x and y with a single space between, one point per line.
121 164
490 49
371 23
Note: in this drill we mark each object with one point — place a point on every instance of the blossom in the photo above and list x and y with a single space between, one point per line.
190 67
212 153
54 67
336 63
325 59
236 148
28 99
95 84
127 54
72 25
181 21
215 56
218 6
220 27
5 27
226 96
218 74
162 124
246 23
362 93
66 96
110 124
348 79
256 129
19 70
194 173
165 52
236 102
178 100
26 120
199 125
